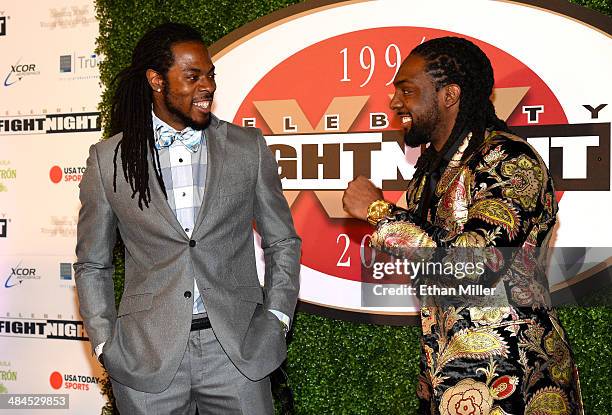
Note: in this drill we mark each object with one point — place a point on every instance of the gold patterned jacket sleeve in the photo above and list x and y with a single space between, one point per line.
501 195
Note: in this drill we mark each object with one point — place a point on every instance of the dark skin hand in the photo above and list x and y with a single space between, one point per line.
358 196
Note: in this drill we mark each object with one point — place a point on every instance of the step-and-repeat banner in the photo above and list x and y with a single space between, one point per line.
317 79
49 93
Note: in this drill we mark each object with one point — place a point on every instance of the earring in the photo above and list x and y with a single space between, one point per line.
159 90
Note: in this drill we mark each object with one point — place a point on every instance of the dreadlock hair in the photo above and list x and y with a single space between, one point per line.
455 60
132 104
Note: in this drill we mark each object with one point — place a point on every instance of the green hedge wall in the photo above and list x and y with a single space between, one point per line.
337 367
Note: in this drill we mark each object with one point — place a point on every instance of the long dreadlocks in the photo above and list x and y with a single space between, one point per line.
132 104
454 60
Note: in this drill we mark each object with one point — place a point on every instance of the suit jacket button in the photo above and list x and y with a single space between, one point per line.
192 243
187 294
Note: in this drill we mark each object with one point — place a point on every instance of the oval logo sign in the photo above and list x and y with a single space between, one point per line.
317 81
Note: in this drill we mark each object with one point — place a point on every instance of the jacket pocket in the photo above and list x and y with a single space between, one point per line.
250 294
236 187
135 303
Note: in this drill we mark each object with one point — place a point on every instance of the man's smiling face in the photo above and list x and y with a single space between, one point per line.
415 101
188 88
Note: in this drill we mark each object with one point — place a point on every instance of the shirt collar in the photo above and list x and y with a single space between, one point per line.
158 121
190 138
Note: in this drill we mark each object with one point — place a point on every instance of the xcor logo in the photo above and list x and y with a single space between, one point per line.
23 271
18 71
30 67
19 274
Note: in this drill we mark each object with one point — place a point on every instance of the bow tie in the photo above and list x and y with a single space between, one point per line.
190 138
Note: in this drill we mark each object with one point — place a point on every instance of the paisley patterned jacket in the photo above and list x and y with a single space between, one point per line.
510 359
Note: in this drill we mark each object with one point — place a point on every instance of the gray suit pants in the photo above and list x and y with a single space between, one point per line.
206 378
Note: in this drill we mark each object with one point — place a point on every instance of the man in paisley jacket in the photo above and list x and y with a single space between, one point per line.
479 187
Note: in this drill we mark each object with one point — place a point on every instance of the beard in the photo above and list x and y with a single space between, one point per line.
184 117
415 138
423 127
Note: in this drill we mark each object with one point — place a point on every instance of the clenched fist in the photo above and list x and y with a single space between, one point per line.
358 196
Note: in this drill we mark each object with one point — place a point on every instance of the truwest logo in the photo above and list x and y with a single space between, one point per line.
65 271
50 124
65 63
77 63
79 66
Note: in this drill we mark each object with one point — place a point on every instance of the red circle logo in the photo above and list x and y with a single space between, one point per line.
352 75
55 174
55 380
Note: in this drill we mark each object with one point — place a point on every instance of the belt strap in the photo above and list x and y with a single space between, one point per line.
200 324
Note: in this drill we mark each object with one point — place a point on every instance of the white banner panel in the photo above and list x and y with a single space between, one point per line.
49 93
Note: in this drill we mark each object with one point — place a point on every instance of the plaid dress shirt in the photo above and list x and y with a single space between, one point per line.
184 174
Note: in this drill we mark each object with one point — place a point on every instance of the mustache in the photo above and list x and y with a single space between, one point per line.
205 96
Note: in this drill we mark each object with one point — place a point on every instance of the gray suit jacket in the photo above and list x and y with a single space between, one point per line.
146 337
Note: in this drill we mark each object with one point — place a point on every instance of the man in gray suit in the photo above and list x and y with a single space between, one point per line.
194 327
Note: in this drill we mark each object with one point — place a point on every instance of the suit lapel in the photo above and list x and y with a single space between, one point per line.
158 199
216 135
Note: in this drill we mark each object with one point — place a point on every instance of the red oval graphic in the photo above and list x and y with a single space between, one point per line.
56 380
55 174
363 64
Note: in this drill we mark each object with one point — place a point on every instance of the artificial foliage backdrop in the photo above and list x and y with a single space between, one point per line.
337 367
